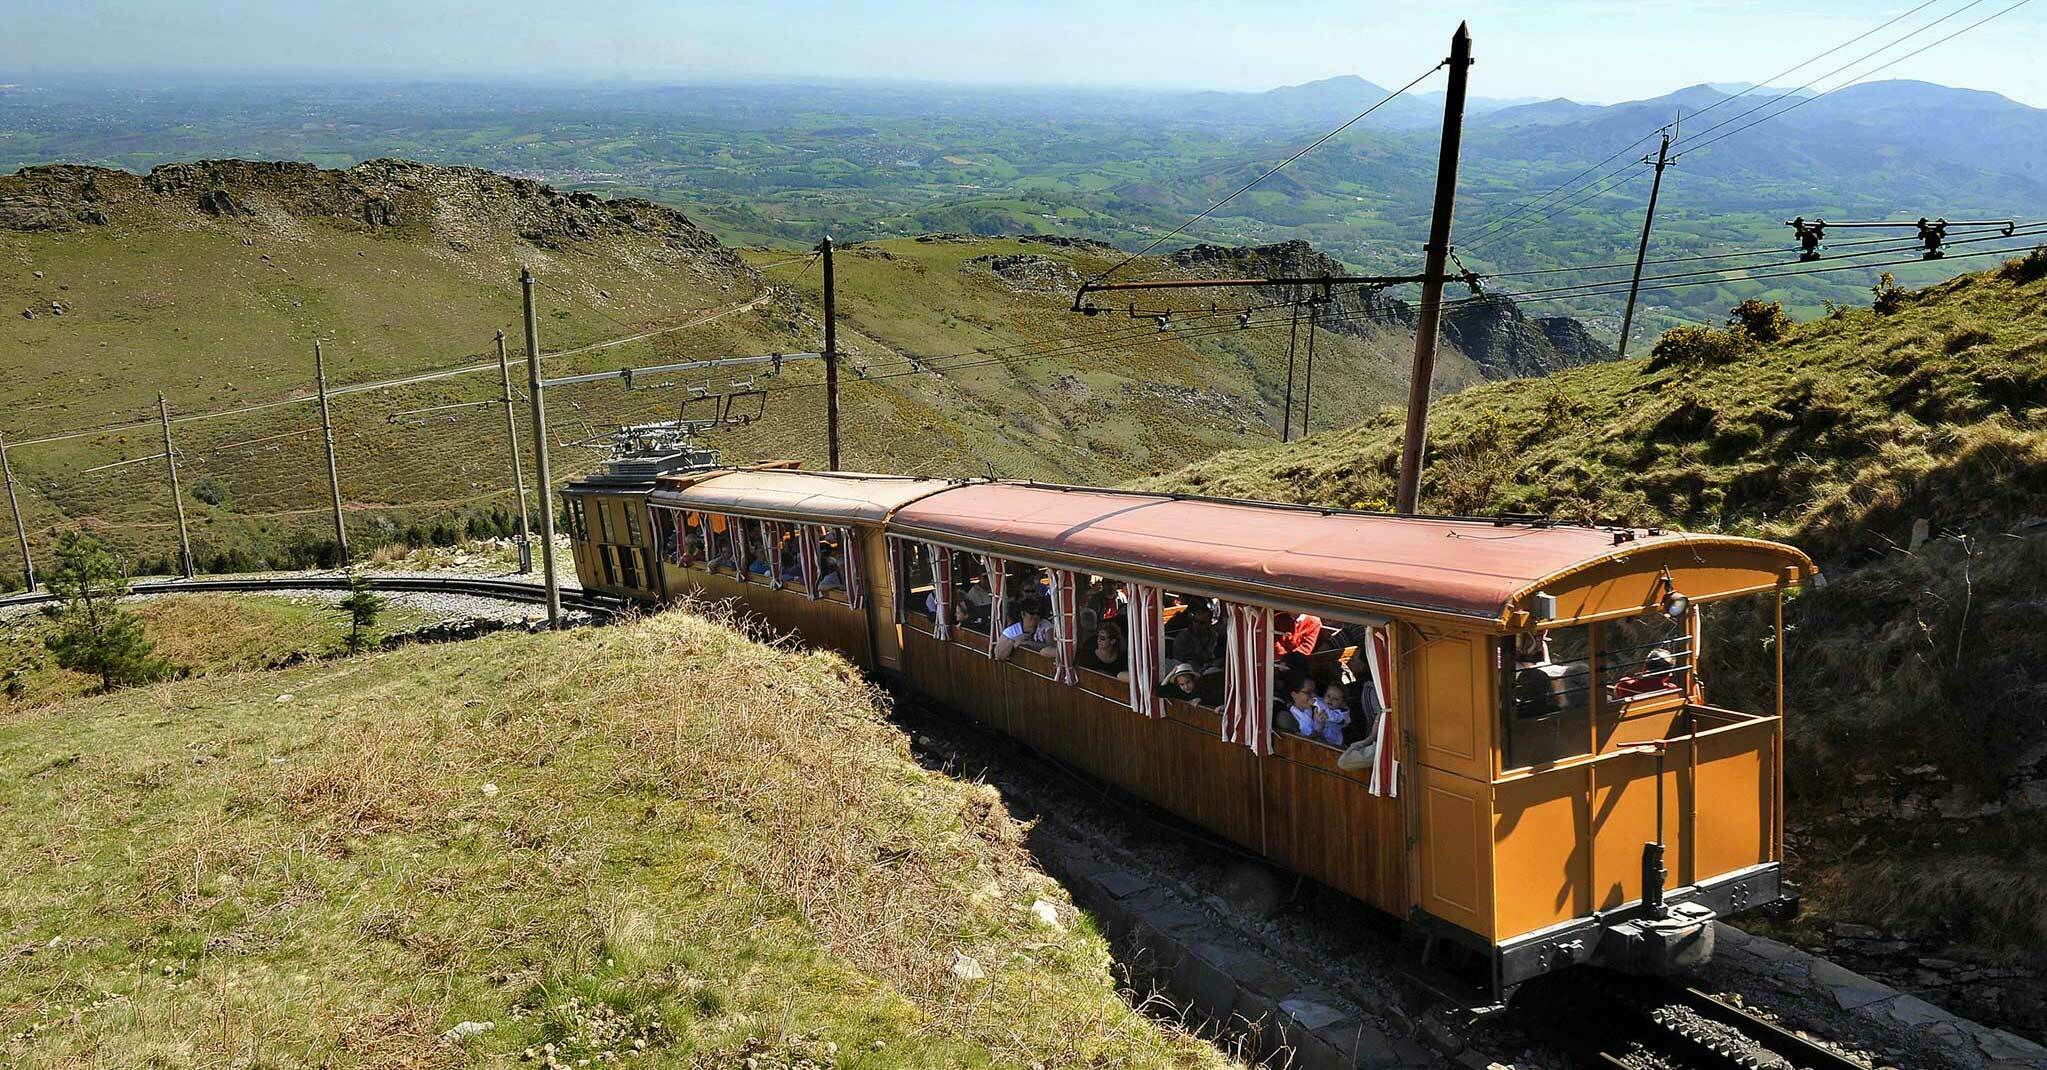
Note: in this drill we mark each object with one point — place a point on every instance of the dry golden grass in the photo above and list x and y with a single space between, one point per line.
660 832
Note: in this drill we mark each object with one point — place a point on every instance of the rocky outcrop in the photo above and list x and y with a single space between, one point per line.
1028 272
1507 344
460 205
1493 332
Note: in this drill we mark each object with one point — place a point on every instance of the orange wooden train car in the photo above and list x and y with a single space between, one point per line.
1555 735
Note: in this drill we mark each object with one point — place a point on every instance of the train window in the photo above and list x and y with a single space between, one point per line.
1195 663
717 542
1643 657
920 591
667 536
604 520
1546 687
1737 654
1339 679
1101 621
693 551
609 556
635 529
628 560
572 510
973 604
758 551
831 564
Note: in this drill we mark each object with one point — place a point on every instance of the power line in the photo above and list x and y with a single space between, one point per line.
1275 169
1883 67
1496 229
1484 223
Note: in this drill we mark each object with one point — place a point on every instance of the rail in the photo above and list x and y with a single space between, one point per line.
1614 1022
598 605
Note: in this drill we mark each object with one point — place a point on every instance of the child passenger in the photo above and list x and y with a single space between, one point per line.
1334 706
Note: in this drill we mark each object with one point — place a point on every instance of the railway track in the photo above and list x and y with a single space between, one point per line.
597 605
1609 1021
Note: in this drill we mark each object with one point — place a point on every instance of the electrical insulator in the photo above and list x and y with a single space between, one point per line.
1932 235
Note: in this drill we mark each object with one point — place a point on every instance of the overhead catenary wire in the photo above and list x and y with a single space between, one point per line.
1500 229
1802 101
1487 223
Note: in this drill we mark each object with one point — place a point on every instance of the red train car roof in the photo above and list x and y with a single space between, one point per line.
818 497
1470 568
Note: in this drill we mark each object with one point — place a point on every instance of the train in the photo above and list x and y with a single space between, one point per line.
1543 762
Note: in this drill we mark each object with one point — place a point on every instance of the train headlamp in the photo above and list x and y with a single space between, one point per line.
1674 605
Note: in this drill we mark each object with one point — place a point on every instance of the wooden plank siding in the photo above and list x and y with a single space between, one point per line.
1293 806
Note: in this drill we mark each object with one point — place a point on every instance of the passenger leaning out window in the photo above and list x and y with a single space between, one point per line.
1031 630
1334 706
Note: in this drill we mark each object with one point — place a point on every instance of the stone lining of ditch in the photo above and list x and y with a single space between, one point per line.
1915 1032
1222 983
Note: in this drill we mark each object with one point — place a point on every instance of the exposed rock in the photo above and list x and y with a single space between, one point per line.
218 202
458 204
967 968
1028 271
1493 332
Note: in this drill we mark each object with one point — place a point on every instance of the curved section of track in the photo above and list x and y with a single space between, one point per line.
597 605
1611 1022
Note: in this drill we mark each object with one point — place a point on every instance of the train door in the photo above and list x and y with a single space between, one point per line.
885 639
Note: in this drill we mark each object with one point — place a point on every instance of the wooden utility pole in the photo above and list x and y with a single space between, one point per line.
831 360
170 460
1642 250
333 470
1293 333
554 594
512 443
28 565
1414 443
1308 386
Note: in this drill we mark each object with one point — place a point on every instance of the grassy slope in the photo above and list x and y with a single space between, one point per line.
709 845
199 635
223 311
1837 438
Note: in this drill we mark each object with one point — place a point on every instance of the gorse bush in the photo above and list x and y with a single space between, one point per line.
1682 347
1764 321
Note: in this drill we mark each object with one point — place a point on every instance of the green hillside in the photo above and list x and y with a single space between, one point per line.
1918 673
211 281
623 846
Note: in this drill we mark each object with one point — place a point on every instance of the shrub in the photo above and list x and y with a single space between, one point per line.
2025 269
210 489
1889 295
94 634
1696 347
1764 321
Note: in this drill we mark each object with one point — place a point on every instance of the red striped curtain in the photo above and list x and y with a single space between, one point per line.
806 557
849 571
941 586
997 571
1247 696
1065 623
1385 779
1146 640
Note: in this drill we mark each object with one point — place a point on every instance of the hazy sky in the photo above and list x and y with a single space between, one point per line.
1594 50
